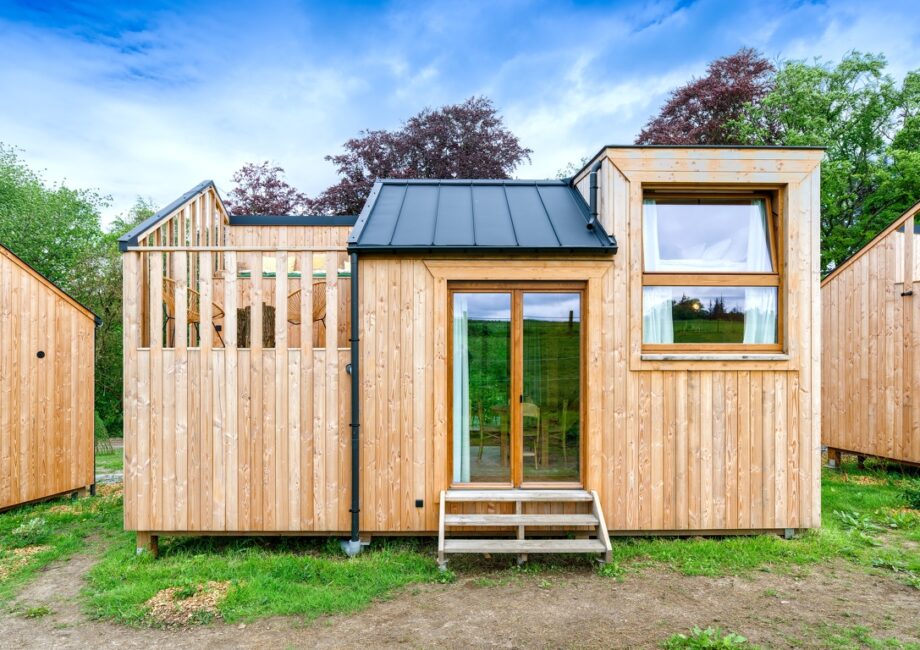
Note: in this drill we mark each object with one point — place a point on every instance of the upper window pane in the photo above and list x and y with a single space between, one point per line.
706 237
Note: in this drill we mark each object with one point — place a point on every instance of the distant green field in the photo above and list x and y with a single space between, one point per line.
708 331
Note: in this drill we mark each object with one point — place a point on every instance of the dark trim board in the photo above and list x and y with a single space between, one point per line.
292 220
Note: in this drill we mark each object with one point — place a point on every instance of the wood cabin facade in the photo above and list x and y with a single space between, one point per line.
47 348
521 360
870 356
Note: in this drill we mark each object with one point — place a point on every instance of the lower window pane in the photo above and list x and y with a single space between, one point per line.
709 315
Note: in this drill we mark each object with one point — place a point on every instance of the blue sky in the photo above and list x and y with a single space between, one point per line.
150 98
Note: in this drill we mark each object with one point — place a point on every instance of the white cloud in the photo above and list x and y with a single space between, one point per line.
193 93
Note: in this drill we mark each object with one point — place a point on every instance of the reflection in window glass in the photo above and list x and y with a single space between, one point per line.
709 315
706 238
481 387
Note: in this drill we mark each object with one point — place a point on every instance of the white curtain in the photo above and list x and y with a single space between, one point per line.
461 414
657 321
759 302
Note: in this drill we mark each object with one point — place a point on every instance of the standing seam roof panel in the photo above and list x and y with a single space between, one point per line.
418 209
455 216
530 221
476 214
491 219
561 209
382 220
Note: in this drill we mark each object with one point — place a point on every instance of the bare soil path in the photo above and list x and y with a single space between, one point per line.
576 609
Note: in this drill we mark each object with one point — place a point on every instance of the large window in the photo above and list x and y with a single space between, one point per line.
711 279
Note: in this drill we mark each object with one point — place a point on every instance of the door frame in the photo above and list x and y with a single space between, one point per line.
516 289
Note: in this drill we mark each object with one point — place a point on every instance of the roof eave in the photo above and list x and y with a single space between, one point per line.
130 238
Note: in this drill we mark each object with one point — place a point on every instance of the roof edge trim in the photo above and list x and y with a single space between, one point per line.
53 285
130 238
292 220
910 212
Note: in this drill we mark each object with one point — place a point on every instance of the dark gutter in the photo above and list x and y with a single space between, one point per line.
130 237
291 220
354 371
365 249
593 193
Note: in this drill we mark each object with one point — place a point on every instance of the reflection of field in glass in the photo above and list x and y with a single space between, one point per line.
708 331
551 352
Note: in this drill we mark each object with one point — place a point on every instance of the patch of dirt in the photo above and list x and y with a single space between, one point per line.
175 606
18 558
110 489
544 610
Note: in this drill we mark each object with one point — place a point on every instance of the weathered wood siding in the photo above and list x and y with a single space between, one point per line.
46 405
871 348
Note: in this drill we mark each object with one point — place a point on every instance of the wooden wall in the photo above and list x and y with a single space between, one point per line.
708 442
673 443
222 438
871 348
46 405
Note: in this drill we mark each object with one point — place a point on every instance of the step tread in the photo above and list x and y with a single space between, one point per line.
517 495
520 520
524 546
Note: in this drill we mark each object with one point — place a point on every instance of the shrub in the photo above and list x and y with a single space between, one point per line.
910 494
101 435
700 639
31 532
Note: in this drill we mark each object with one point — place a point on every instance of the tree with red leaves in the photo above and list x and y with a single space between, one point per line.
704 110
467 140
261 189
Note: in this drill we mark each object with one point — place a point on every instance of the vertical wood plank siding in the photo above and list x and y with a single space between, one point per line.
870 355
669 444
46 405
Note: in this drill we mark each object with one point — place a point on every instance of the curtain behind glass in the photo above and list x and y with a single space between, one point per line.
759 302
461 402
657 320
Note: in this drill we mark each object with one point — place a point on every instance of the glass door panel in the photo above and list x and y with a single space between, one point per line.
551 386
481 399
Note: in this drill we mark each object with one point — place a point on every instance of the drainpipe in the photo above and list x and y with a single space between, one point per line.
352 546
593 193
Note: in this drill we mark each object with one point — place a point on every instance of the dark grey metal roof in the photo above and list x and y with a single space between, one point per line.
501 215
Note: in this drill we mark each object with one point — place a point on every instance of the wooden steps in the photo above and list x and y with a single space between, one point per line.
581 523
549 545
520 520
524 496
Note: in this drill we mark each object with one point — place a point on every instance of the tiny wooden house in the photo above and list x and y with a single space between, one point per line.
46 387
870 357
632 351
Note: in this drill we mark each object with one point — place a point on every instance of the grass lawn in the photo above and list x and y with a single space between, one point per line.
112 461
864 522
708 331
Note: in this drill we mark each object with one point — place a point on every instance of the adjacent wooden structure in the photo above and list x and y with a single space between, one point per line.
46 387
225 435
871 348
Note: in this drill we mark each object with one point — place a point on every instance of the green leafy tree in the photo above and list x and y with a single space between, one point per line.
868 124
99 283
53 228
58 231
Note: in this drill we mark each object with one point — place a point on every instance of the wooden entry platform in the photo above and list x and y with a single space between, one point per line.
591 541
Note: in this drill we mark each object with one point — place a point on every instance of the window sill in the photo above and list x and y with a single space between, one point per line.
723 356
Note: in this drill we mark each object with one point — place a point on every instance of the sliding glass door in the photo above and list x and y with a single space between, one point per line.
516 384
